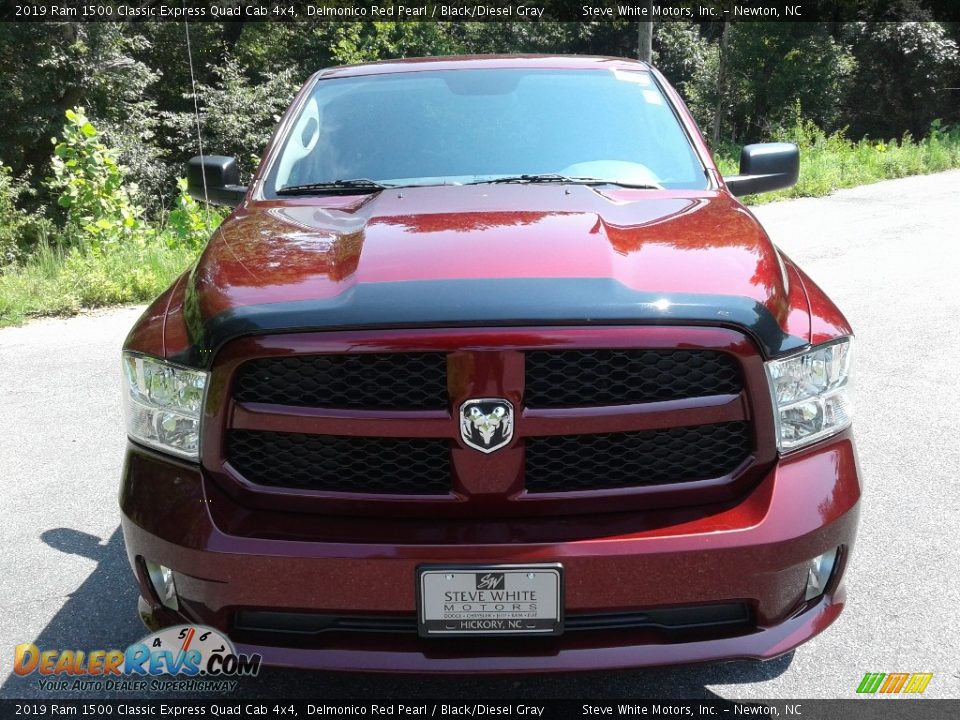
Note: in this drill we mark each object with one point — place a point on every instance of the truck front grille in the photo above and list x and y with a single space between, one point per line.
330 463
595 413
563 463
566 378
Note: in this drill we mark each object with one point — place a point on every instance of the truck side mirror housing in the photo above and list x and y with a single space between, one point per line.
223 178
765 167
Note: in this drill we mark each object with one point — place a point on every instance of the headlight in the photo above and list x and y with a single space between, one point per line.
162 404
811 394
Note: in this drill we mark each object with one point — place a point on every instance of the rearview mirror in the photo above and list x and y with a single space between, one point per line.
223 178
765 167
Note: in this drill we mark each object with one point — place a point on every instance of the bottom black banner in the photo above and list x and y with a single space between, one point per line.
880 709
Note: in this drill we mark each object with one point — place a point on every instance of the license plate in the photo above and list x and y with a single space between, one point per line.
490 600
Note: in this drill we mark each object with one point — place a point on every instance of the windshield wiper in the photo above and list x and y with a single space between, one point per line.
334 187
538 178
557 178
618 183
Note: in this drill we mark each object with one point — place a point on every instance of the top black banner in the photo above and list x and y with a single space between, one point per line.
474 10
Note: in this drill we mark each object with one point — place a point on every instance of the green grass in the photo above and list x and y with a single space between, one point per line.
52 282
831 162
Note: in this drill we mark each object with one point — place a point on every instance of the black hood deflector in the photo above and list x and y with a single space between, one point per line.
485 303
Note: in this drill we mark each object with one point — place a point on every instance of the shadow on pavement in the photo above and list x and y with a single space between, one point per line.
101 614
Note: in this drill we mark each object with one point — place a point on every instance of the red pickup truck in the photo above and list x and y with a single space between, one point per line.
490 371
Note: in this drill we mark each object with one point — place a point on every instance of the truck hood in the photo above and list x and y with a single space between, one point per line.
488 254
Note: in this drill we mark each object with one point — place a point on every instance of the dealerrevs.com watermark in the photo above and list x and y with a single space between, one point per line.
185 658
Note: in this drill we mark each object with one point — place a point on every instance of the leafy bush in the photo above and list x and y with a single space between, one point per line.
90 187
20 231
189 224
108 254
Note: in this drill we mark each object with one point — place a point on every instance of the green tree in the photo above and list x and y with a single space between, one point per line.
62 65
690 62
237 116
905 69
773 66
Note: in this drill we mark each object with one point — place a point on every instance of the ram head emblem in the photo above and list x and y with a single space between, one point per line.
486 424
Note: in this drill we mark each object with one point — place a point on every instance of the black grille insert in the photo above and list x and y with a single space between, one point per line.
563 378
675 618
565 463
395 381
389 466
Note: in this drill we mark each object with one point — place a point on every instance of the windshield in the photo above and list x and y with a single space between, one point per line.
462 126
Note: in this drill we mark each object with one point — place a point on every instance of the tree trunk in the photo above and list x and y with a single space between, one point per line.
645 36
721 85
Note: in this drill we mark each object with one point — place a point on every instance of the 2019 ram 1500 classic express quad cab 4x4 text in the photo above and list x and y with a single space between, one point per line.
489 371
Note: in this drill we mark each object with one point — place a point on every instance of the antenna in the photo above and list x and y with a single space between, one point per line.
196 113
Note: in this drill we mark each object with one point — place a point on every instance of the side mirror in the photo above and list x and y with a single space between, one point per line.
223 180
765 167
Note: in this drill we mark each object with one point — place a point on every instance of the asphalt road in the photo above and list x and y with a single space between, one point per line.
888 254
